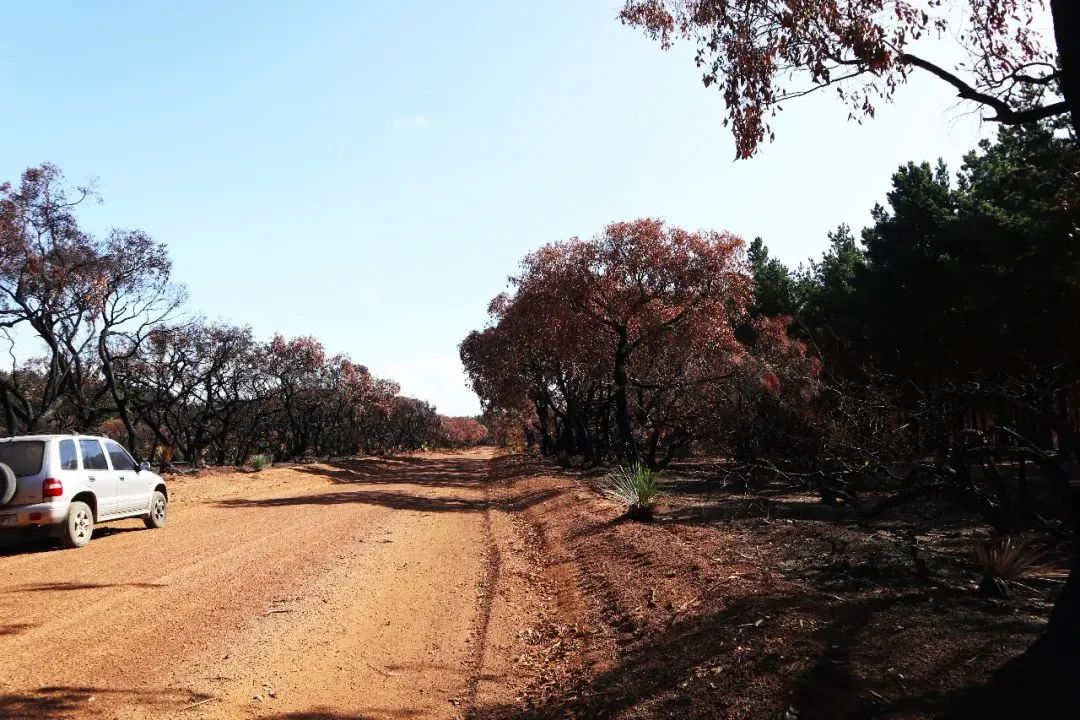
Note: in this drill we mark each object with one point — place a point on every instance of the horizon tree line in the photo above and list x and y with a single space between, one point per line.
116 352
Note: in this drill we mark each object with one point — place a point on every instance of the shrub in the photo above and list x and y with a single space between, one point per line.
1008 560
637 487
258 462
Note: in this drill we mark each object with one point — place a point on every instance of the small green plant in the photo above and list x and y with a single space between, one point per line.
1008 560
258 462
637 487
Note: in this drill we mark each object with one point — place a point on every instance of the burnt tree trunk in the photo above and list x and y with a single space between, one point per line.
123 409
628 448
542 422
1066 15
1063 628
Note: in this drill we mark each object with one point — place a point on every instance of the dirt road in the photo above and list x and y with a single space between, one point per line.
359 589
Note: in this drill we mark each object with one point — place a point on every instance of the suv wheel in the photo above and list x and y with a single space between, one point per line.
8 484
79 525
159 508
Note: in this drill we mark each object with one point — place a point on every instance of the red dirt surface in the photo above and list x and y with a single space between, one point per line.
735 606
464 585
357 589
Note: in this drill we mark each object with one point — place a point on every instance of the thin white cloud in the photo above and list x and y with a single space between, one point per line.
411 122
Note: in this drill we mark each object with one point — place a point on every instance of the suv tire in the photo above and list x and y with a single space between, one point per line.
8 484
79 525
159 509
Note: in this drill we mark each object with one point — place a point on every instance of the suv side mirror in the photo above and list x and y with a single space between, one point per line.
144 466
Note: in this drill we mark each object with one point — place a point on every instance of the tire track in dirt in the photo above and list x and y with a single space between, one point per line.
482 625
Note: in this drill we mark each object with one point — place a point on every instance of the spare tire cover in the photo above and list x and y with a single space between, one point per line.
7 484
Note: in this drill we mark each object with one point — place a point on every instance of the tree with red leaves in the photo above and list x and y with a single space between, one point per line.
401 423
865 49
625 344
89 300
462 432
114 355
659 304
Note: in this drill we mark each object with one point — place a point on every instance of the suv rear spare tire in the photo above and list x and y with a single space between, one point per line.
7 484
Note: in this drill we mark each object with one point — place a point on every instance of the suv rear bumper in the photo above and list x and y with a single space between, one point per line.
47 513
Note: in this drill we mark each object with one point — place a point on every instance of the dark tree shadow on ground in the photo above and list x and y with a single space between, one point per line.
326 714
701 667
26 545
66 586
395 500
430 472
446 473
742 508
41 541
65 702
1044 682
714 509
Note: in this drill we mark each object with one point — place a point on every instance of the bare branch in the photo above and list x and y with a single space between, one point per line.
1005 114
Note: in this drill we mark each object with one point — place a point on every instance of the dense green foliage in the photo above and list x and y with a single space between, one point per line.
964 290
954 309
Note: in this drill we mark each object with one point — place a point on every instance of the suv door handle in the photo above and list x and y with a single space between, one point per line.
91 478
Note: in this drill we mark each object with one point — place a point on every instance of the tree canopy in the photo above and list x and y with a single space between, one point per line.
762 53
636 344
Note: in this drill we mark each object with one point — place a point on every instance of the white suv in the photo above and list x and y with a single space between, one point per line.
72 482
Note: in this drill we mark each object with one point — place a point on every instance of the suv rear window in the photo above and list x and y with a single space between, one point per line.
23 456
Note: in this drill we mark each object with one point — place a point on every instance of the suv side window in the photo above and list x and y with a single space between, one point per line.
119 456
93 455
69 459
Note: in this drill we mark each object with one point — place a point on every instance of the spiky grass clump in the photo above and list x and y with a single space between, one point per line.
1007 560
637 487
258 462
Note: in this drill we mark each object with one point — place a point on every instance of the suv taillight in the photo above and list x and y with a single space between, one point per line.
52 488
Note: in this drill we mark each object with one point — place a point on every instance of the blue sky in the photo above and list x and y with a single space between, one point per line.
371 172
